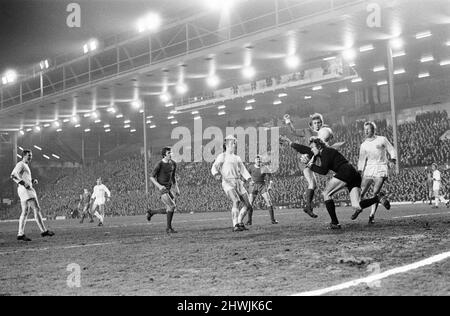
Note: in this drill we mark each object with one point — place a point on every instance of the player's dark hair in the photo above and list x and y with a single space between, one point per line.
165 150
25 152
371 124
224 146
319 143
316 117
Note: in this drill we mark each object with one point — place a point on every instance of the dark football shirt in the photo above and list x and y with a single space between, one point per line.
164 173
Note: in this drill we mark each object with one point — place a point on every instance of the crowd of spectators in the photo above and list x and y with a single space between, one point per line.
420 145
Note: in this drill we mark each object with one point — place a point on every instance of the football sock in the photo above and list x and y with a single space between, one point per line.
235 215
39 221
309 197
250 214
169 219
271 213
331 208
22 222
242 214
369 202
374 209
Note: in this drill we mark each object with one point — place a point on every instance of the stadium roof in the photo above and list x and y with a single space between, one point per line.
261 35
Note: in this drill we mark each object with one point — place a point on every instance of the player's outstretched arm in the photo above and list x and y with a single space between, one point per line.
290 124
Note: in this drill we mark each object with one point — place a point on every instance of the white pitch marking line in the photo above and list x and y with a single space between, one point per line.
377 277
421 215
56 248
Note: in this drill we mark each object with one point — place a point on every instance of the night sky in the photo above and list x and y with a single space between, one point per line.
33 30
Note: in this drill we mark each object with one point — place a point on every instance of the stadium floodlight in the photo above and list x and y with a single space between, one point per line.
165 97
127 126
97 121
151 23
248 108
66 120
47 125
107 130
423 34
213 81
133 130
282 95
181 88
329 58
168 105
399 54
44 64
423 75
445 62
277 102
56 124
198 117
194 112
87 115
75 119
308 97
77 125
426 59
174 122
95 115
343 90
251 101
21 148
37 128
111 110
221 113
356 80
382 83
46 157
56 156
447 43
317 88
87 130
136 104
221 107
174 112
38 148
396 43
379 68
292 61
59 130
152 126
349 54
150 116
126 122
149 122
21 132
399 71
170 117
90 46
248 72
10 76
366 48
29 130
119 116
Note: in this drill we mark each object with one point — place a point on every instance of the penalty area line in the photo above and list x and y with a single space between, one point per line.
379 276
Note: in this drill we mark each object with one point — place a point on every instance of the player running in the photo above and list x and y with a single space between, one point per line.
84 206
28 197
229 167
262 186
319 129
100 196
374 163
164 178
325 159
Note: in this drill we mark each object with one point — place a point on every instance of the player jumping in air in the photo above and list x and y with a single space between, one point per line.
229 167
163 177
262 186
84 206
374 163
345 176
28 198
100 196
326 135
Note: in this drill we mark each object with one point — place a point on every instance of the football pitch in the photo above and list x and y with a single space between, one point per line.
405 253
